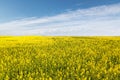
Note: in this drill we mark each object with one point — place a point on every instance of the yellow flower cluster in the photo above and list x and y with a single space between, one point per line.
59 58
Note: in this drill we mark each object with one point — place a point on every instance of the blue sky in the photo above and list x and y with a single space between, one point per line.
59 17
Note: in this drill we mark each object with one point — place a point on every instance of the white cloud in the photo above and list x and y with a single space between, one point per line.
100 20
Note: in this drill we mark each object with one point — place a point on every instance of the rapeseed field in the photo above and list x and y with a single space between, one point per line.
59 58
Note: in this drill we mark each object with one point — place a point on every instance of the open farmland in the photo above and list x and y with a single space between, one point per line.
59 58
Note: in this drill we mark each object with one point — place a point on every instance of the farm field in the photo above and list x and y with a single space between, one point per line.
59 58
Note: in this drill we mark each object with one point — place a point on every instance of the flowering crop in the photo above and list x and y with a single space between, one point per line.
59 58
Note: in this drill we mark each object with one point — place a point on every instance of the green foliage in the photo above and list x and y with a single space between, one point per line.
59 58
